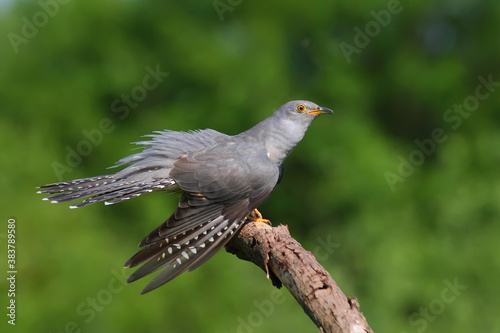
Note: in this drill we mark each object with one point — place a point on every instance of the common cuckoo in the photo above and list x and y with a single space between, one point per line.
222 180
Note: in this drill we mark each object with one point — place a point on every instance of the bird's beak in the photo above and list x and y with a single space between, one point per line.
319 110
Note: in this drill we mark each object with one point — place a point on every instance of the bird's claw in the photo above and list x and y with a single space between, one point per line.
256 216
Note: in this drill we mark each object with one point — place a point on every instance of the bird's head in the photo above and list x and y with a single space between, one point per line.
302 111
283 130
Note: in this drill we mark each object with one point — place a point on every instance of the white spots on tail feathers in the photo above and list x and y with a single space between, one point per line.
187 251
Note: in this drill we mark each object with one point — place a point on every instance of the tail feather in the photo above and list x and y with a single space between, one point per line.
129 192
84 192
216 240
181 256
176 249
76 184
116 196
102 188
169 230
148 170
176 242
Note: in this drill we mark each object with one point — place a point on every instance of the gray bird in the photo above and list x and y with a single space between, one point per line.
222 180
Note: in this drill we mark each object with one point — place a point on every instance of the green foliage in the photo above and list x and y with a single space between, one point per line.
407 218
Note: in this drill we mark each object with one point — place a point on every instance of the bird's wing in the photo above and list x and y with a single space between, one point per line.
148 171
219 193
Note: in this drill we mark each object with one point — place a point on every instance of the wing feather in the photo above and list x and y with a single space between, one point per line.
219 194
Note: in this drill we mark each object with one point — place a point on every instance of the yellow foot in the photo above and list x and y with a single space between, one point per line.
257 217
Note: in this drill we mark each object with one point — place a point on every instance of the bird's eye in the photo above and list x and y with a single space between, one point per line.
300 108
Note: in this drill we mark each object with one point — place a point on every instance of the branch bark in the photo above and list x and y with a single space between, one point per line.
286 262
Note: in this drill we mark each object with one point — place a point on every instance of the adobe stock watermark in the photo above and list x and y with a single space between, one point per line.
88 309
31 26
121 107
362 38
325 248
420 319
11 271
453 116
222 6
263 309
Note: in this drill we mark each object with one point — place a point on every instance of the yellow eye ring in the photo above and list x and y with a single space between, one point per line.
300 108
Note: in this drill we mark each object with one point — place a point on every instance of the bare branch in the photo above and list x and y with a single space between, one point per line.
286 262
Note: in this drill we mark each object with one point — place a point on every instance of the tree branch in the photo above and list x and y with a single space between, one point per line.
286 262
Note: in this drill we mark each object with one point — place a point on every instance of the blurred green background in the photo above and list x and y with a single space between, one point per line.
398 193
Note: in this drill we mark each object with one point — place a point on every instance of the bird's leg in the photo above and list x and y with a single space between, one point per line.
258 217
